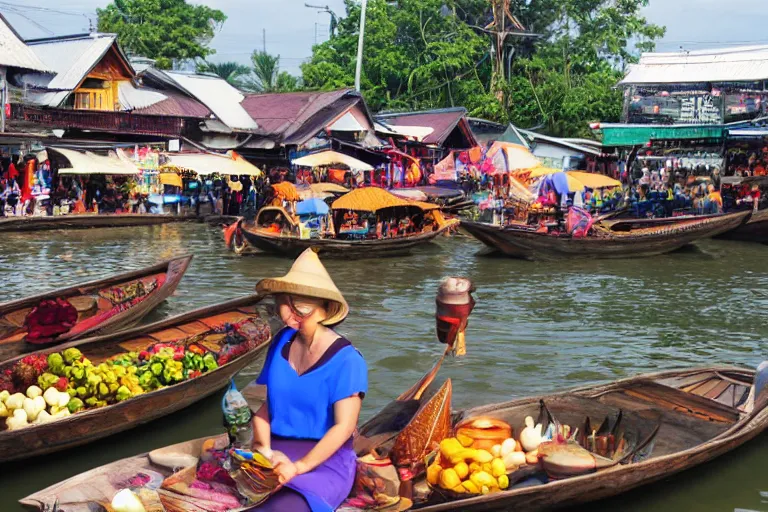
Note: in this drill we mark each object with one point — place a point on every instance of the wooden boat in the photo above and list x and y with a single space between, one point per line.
754 230
208 327
288 242
680 418
97 307
602 242
87 221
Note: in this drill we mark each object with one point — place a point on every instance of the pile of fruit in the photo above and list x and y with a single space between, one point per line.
462 470
85 385
483 454
35 407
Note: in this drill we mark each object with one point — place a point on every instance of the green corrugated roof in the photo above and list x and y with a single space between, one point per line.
638 135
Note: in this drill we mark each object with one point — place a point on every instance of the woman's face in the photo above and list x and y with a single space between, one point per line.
296 310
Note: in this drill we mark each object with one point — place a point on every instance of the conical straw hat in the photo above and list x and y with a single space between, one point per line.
309 278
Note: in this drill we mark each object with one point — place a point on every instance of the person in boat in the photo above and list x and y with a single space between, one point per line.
315 383
714 201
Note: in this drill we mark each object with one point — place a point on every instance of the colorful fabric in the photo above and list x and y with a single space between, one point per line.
579 222
49 319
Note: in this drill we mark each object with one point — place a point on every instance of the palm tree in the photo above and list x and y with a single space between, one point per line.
232 72
265 72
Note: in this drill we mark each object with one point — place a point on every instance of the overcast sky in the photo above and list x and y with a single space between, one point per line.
291 29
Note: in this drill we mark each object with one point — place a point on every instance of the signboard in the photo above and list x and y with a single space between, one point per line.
699 109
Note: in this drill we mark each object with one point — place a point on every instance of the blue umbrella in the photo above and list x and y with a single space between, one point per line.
312 206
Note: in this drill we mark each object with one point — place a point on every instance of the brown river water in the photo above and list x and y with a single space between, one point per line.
537 327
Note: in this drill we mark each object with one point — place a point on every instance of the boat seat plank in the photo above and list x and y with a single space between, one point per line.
706 387
689 403
137 344
717 390
168 335
15 338
194 328
687 380
230 317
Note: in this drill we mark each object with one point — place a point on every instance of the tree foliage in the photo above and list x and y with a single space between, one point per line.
437 53
265 76
232 72
165 30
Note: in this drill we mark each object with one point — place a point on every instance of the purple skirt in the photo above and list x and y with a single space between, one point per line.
329 484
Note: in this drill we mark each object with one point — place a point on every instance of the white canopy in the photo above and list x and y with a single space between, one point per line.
417 132
347 123
90 163
740 64
206 163
325 158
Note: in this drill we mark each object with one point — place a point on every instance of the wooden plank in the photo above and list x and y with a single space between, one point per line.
230 317
137 344
684 402
705 388
194 328
686 380
169 335
717 390
691 387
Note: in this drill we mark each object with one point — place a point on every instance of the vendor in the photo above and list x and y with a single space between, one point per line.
316 381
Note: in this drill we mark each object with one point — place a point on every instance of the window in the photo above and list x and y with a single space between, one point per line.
94 99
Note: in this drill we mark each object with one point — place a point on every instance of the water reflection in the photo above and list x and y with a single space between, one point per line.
537 327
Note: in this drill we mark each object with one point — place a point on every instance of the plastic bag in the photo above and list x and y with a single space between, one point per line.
237 417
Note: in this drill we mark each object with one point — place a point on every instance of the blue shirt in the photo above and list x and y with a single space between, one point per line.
301 406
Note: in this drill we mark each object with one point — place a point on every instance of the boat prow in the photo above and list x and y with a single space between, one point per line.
87 309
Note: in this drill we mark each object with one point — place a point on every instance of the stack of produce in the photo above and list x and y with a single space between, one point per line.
35 407
479 459
87 385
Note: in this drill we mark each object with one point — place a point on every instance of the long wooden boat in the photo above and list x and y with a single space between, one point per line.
290 244
754 230
87 221
213 327
603 242
676 420
96 307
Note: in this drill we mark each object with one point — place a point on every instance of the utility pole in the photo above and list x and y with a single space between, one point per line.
315 33
264 40
359 66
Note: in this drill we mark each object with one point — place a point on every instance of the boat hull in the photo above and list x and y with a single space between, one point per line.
618 479
519 243
86 221
341 249
173 270
87 426
754 230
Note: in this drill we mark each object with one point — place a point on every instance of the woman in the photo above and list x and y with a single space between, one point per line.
316 381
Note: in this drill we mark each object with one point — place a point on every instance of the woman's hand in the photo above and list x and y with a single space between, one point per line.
286 471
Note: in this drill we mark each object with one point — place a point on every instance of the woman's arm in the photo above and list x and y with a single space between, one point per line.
261 429
346 413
